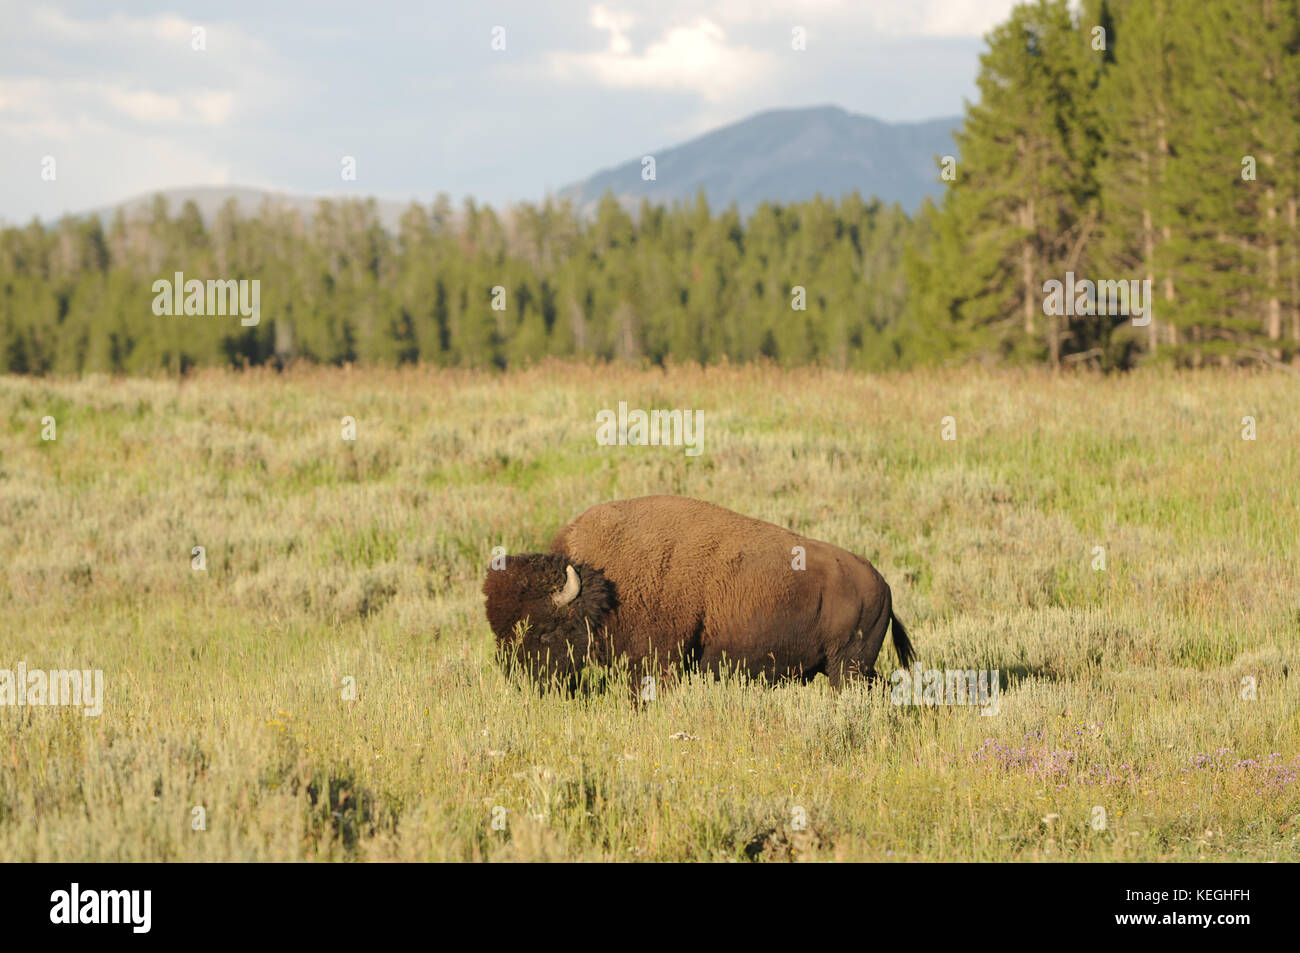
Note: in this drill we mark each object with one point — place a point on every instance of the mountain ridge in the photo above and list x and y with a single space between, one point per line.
786 155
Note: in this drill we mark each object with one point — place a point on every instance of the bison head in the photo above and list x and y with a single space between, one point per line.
548 613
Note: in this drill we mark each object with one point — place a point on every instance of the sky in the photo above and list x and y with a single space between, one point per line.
134 98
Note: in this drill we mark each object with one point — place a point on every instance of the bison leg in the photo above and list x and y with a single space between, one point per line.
857 657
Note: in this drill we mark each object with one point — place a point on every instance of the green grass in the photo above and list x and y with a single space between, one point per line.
329 559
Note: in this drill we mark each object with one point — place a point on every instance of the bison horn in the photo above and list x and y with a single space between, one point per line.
570 590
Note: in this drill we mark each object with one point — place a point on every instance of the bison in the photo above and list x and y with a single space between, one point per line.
665 581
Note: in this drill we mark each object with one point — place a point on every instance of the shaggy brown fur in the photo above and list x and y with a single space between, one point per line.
683 581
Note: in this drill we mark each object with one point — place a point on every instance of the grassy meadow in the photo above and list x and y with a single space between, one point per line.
332 562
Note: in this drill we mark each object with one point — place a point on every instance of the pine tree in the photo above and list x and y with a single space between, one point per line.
1231 181
1023 198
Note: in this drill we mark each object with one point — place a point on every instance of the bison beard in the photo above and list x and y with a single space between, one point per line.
666 581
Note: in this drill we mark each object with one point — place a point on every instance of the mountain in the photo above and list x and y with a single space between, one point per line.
786 155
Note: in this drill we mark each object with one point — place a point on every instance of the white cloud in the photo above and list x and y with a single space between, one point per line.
26 100
617 25
948 18
963 17
143 105
794 12
690 57
213 108
123 102
54 25
24 96
140 67
734 44
203 106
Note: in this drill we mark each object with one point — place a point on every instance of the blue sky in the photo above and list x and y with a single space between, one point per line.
122 101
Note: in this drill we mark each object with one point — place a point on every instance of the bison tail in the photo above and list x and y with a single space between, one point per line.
902 644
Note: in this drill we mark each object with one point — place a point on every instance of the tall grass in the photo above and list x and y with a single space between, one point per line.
329 560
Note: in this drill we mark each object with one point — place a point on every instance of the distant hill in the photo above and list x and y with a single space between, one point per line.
786 155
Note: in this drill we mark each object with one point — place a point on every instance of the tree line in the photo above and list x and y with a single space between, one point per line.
816 282
1146 140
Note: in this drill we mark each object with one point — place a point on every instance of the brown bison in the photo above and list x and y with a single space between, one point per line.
664 581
